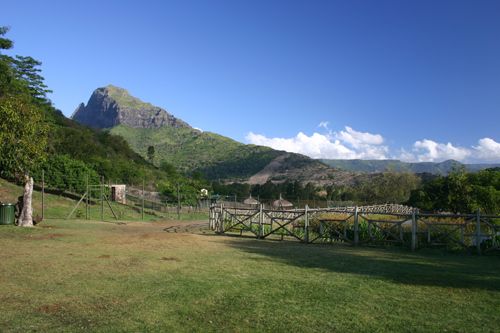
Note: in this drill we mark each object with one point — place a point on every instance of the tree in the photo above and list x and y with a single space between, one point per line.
26 70
6 73
23 138
23 131
151 153
460 192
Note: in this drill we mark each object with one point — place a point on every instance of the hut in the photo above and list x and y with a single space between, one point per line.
251 201
119 193
282 204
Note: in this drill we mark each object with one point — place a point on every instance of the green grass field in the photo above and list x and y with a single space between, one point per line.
59 207
71 276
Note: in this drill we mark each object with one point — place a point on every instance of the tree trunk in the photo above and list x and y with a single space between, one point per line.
26 216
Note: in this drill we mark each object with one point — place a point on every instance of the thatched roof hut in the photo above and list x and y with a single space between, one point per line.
282 204
251 201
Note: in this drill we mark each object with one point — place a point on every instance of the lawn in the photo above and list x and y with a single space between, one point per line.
73 276
59 207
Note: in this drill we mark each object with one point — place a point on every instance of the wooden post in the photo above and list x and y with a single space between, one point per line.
221 224
142 204
210 218
261 222
306 224
478 232
413 231
356 226
102 198
43 194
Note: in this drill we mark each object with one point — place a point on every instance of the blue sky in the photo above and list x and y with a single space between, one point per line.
418 80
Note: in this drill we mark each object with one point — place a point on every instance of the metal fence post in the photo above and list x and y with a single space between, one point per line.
178 202
142 203
478 232
43 194
413 231
356 226
102 198
87 199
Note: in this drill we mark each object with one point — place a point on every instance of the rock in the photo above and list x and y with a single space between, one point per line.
111 106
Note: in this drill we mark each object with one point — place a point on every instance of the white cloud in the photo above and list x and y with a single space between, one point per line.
487 151
429 151
348 144
359 139
351 144
324 124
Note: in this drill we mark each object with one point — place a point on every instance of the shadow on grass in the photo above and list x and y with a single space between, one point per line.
426 267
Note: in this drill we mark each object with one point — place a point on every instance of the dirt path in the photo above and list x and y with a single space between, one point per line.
192 227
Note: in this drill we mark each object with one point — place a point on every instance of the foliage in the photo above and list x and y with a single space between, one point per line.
27 71
23 135
371 166
175 184
460 192
124 99
23 131
190 150
387 187
63 172
151 153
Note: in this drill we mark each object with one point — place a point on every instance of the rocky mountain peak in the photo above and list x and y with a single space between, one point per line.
111 106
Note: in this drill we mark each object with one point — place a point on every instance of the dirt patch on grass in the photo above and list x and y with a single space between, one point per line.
104 256
45 237
50 308
170 259
48 227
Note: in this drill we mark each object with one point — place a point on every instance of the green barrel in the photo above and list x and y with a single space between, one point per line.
7 213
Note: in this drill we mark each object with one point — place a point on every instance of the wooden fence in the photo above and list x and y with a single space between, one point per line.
360 225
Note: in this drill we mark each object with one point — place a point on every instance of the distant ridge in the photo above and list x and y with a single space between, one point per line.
374 166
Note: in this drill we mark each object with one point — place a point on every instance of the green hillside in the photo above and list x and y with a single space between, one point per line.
373 166
124 99
190 150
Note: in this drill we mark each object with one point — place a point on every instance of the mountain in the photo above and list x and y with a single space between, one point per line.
373 166
174 141
111 106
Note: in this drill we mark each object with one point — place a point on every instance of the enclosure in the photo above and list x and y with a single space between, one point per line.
365 225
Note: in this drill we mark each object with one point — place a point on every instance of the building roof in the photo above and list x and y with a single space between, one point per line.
251 201
282 203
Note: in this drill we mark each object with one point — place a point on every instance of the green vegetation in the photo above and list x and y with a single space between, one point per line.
437 168
92 276
122 97
461 192
57 206
190 150
23 131
385 187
